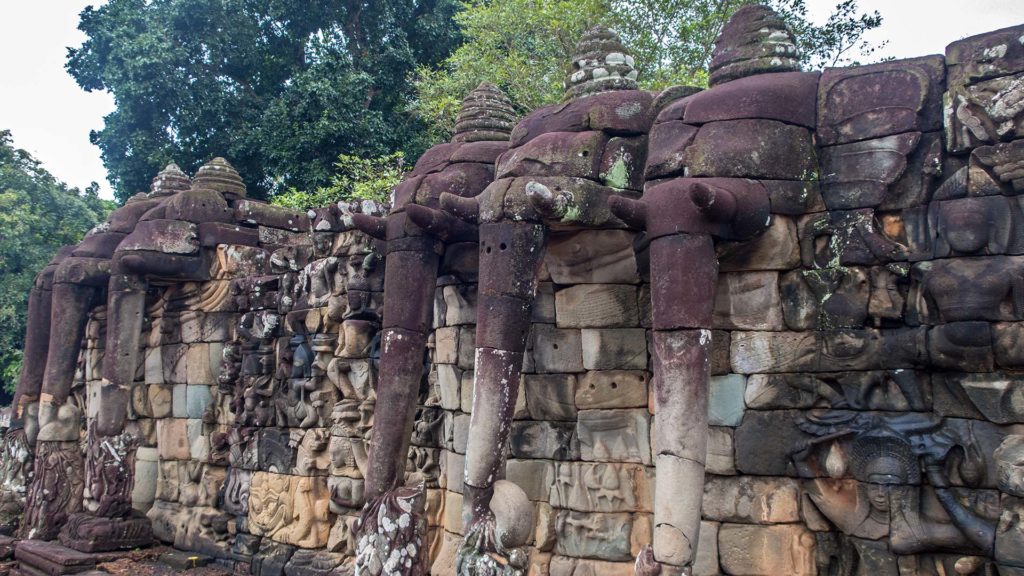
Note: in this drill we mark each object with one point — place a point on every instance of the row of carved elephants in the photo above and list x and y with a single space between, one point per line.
697 172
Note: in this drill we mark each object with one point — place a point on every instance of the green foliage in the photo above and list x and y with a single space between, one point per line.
525 46
356 179
38 215
522 46
279 87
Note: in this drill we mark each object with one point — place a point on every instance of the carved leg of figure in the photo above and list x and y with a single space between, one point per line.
56 491
510 257
15 473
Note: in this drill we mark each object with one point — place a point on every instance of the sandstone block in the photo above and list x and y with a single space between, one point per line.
597 306
614 349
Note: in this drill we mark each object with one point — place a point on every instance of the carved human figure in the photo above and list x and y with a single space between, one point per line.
885 503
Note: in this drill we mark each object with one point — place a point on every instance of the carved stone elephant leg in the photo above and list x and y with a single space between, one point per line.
680 217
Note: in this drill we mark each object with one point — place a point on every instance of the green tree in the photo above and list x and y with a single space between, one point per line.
279 87
355 179
524 46
38 215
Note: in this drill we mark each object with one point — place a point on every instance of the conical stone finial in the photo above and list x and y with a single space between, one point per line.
169 181
486 114
754 41
600 63
220 176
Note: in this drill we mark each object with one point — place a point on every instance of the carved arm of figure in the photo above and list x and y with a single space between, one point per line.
966 523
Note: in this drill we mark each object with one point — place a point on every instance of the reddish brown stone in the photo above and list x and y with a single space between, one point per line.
785 96
752 149
878 100
572 154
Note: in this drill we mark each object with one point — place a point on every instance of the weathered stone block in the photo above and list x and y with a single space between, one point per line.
535 477
172 439
754 550
614 349
748 301
775 249
751 500
556 350
546 440
725 400
597 306
614 436
550 396
594 535
752 149
584 486
720 458
612 389
592 257
866 102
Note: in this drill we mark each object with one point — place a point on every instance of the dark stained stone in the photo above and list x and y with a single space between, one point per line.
988 55
213 233
544 440
794 197
485 152
622 164
465 179
263 214
574 154
964 346
752 149
666 151
867 102
100 245
754 41
621 112
786 96
198 206
764 440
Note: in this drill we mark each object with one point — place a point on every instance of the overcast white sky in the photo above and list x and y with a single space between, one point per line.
50 116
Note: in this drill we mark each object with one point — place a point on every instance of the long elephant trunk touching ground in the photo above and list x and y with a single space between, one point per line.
510 257
680 217
415 235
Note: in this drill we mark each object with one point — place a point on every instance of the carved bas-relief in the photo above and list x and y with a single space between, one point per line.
109 522
775 326
887 512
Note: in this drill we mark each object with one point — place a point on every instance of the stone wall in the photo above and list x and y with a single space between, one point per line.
785 310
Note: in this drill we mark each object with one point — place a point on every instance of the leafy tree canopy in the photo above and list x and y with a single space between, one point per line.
279 87
38 215
524 46
355 179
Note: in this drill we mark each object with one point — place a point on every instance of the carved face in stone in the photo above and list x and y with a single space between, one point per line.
965 226
883 473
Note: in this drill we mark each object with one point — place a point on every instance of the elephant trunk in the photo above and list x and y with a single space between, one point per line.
511 254
409 281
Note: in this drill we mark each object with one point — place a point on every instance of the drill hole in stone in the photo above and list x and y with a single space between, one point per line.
502 246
